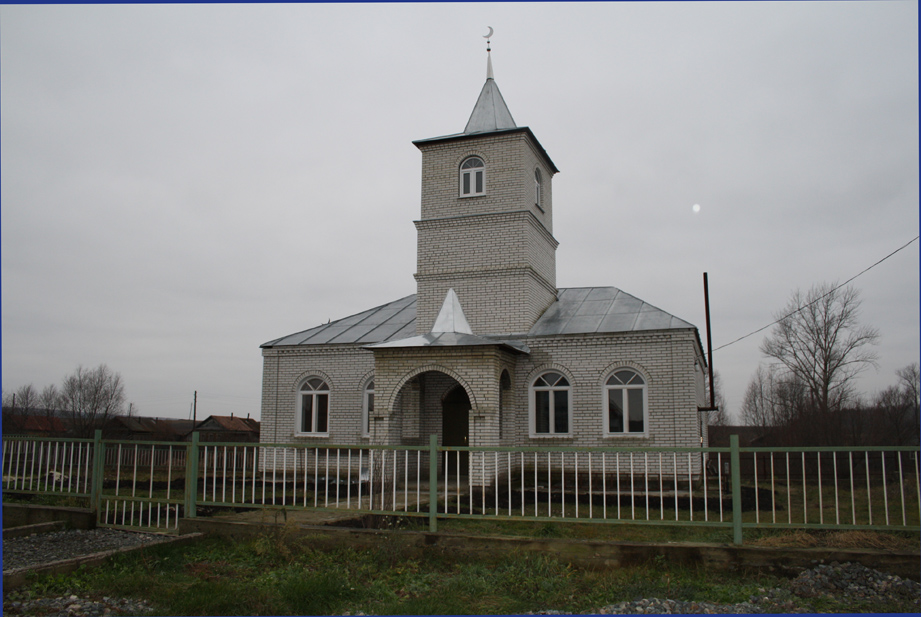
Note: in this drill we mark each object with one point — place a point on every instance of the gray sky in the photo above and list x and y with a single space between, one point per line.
182 183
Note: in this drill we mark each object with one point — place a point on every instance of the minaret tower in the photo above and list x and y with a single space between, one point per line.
486 226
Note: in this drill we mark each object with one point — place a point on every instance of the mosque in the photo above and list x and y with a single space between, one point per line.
489 351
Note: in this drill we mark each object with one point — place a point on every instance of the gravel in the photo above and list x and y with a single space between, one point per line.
843 583
38 549
846 583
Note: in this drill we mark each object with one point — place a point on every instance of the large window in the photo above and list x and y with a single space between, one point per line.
313 407
472 177
625 403
367 409
550 404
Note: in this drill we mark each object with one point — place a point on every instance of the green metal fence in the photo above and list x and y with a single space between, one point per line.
152 485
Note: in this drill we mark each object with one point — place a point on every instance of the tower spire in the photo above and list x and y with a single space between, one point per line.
488 36
490 112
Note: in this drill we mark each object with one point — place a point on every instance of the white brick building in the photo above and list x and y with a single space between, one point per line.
507 358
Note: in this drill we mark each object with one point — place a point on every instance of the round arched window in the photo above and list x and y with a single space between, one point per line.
313 406
367 409
550 404
472 177
625 402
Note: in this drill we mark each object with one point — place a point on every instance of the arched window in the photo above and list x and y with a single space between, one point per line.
505 384
472 177
537 193
313 407
625 403
550 404
367 409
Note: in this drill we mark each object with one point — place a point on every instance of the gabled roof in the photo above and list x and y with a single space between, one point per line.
230 423
34 423
578 310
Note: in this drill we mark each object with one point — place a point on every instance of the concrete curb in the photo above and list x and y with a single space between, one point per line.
589 554
28 530
20 514
13 579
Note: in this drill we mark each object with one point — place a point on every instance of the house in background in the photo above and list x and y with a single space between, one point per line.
141 428
489 351
227 429
39 424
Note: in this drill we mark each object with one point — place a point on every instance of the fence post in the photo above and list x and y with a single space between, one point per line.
736 474
191 478
433 483
98 472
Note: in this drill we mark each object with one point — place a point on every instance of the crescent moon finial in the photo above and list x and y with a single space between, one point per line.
488 36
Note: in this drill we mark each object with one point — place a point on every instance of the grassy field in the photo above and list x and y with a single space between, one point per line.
279 574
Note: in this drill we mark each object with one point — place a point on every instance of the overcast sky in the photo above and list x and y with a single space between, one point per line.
182 183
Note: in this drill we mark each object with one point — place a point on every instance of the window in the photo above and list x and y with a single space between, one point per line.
537 189
367 409
313 406
505 384
473 177
550 404
625 398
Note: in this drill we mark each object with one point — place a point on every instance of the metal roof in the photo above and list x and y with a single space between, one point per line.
490 115
490 112
391 321
451 329
578 310
586 310
451 317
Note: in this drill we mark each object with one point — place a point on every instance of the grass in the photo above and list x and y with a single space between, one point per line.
280 573
665 534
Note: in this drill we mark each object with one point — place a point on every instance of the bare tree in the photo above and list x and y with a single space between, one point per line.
50 400
719 417
898 408
758 406
25 399
18 405
910 383
778 403
820 342
91 397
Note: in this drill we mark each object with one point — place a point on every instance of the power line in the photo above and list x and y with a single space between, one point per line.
819 298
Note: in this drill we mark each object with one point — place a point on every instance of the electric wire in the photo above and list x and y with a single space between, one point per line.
775 322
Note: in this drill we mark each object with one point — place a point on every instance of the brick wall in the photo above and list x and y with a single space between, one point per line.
496 250
666 359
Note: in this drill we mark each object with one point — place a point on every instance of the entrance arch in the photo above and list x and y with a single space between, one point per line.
455 429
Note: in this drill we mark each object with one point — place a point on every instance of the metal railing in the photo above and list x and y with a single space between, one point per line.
142 485
152 485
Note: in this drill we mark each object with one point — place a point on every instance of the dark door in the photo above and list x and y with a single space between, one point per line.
455 426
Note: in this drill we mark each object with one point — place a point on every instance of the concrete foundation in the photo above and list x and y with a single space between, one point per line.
580 553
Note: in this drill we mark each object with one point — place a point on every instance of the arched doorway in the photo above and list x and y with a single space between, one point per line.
455 429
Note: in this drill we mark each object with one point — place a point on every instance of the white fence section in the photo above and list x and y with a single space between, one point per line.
41 466
154 485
